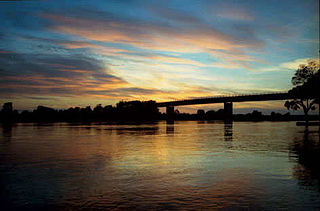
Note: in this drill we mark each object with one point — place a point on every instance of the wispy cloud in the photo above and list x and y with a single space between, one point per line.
149 35
288 66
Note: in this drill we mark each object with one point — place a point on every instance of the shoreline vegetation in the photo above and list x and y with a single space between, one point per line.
130 111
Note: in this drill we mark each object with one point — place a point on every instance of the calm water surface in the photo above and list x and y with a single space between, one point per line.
188 165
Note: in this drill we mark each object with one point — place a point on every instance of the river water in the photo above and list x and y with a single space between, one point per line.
185 165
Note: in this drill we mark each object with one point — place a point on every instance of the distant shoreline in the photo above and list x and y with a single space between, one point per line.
134 111
267 118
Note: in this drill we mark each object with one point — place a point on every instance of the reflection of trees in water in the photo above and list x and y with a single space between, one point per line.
7 131
307 152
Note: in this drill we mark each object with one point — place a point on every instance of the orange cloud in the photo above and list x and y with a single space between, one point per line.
148 36
159 38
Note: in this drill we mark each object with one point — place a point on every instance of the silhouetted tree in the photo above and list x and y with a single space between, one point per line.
210 114
7 113
201 114
306 88
7 107
98 108
43 113
255 116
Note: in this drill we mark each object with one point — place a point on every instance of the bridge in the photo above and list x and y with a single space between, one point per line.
227 100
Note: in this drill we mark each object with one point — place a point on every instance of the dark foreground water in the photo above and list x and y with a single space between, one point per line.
188 165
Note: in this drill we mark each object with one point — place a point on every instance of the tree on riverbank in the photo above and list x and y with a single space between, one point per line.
306 82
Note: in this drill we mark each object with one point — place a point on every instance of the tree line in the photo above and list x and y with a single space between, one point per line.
128 111
132 110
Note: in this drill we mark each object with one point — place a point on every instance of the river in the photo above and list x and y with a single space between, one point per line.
185 165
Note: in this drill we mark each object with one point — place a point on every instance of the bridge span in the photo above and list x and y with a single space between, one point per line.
227 100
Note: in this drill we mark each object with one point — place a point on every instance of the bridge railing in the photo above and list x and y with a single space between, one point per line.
226 96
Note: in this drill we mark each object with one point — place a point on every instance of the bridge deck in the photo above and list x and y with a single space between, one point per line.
223 99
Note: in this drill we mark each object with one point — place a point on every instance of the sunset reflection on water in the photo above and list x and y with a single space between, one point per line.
187 165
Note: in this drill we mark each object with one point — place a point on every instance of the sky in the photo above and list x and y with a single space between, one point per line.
78 53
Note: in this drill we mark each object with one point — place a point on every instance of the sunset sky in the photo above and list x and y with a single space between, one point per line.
77 53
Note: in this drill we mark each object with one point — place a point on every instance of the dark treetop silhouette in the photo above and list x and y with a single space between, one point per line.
306 82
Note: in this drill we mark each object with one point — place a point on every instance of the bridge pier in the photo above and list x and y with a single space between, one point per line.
170 113
228 111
